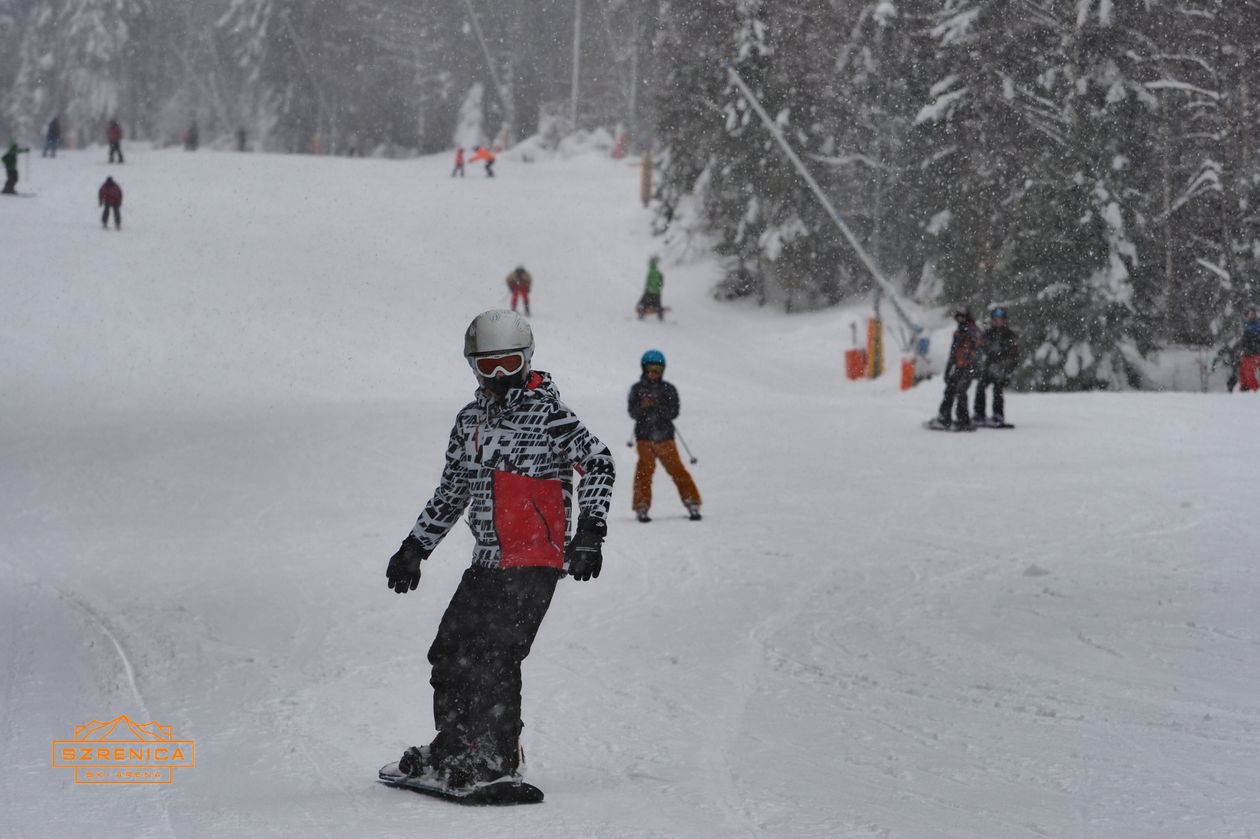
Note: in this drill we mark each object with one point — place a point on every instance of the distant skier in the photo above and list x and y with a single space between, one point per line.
241 137
1249 354
653 404
52 138
110 196
192 137
960 369
459 162
519 283
483 153
10 159
999 349
650 302
114 134
510 463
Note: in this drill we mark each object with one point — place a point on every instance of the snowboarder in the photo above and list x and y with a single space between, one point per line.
960 369
1000 353
192 137
1249 354
650 302
520 282
11 168
459 162
110 197
241 138
483 153
52 139
509 462
114 134
654 405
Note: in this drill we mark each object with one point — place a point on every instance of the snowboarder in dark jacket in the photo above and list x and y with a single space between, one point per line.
110 197
11 167
52 140
510 461
999 349
963 366
654 405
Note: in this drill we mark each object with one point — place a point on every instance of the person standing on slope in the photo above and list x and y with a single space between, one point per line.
483 153
999 349
114 134
519 282
459 162
11 168
960 369
52 139
1249 353
509 462
654 405
650 302
110 197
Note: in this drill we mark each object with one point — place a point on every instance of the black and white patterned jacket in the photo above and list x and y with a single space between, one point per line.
511 466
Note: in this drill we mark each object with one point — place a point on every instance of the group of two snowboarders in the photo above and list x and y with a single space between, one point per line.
989 358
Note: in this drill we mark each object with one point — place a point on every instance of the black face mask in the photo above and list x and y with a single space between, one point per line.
498 387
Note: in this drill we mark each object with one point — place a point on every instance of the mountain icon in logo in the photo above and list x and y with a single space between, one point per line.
122 728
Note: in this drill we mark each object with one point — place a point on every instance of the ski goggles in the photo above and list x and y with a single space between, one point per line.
501 364
653 368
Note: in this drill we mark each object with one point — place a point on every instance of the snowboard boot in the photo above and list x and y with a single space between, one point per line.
940 423
998 421
641 513
979 419
417 761
693 512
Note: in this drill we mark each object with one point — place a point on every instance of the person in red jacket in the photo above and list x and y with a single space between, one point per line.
459 162
483 153
110 197
963 365
114 134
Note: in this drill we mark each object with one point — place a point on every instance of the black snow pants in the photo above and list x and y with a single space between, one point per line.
999 399
956 383
485 634
117 215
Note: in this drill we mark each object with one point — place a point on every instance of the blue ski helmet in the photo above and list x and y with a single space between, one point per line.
999 312
652 357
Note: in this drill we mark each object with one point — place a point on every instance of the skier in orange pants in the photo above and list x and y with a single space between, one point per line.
654 406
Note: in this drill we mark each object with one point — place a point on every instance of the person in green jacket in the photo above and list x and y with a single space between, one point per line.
650 302
11 168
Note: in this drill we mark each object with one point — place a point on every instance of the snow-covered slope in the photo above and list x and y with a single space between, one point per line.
220 422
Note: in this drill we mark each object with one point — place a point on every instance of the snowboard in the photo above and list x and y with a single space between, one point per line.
931 426
648 311
507 790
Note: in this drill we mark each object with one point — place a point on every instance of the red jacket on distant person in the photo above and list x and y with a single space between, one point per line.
114 132
481 153
110 194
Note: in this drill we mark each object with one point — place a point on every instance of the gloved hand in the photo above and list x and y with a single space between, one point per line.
585 553
403 572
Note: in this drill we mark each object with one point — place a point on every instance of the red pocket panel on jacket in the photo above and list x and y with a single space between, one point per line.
529 520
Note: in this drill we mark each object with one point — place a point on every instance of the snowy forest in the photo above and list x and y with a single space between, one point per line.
1091 165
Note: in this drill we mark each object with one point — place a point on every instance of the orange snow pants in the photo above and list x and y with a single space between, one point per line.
667 452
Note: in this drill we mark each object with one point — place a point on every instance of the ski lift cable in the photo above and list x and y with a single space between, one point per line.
836 218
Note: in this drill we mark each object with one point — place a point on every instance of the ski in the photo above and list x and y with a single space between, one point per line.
508 790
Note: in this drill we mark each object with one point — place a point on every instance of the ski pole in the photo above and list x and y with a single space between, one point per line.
686 448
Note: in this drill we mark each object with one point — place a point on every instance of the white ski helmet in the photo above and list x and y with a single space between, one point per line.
497 332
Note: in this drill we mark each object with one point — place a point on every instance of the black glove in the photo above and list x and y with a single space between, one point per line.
584 553
403 572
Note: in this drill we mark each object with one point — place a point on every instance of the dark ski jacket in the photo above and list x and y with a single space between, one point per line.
964 350
511 465
1000 347
110 194
655 421
1249 344
10 157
